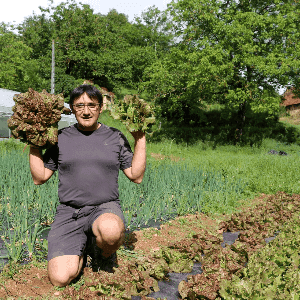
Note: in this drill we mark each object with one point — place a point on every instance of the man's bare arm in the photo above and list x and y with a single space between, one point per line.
138 166
39 173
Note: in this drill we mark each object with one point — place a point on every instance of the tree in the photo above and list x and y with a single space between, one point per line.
229 52
17 69
87 46
153 29
104 48
37 32
4 27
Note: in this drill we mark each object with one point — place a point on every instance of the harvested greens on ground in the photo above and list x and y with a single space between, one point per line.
36 116
272 272
135 113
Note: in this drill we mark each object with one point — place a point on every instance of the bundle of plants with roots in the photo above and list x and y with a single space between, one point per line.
135 113
36 116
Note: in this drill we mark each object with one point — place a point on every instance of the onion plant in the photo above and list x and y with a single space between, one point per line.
14 243
168 189
24 207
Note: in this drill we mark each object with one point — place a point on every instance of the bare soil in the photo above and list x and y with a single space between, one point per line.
32 281
142 260
159 156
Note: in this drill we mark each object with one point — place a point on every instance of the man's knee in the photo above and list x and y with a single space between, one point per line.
59 279
63 269
112 238
110 227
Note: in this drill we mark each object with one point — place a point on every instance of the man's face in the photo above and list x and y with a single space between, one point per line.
87 117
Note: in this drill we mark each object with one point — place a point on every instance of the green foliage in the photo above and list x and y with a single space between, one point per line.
219 125
177 100
107 49
10 270
181 189
153 28
135 113
177 262
253 166
122 91
17 70
66 84
272 272
11 144
137 60
39 256
228 53
24 207
233 53
104 48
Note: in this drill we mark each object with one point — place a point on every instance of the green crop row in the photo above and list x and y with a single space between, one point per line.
272 272
171 190
24 207
204 180
262 172
167 190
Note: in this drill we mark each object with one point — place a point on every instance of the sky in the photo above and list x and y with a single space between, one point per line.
18 10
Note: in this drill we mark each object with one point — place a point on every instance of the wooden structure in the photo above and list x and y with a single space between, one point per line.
291 102
108 97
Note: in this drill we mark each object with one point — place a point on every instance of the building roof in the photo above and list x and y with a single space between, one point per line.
290 98
6 102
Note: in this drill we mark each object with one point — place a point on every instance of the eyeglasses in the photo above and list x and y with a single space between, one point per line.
91 106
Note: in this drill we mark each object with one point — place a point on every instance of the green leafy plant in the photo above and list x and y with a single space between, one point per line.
272 272
134 112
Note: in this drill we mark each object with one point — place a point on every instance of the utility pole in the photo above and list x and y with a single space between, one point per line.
53 69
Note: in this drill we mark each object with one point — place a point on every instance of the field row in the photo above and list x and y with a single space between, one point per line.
208 181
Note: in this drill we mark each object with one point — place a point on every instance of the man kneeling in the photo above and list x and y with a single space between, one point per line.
88 157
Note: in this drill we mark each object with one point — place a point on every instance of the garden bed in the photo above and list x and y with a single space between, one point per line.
149 255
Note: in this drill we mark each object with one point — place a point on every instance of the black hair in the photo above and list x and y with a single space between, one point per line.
92 92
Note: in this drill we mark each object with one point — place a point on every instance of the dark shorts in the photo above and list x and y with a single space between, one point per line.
68 234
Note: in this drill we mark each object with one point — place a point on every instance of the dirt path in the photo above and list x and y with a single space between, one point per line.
141 261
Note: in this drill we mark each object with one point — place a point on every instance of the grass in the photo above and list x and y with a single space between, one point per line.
292 117
150 232
262 172
123 91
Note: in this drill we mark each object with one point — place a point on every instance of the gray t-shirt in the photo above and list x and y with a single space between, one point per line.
88 164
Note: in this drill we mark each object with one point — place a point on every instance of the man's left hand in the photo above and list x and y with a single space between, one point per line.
137 134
